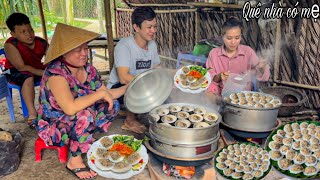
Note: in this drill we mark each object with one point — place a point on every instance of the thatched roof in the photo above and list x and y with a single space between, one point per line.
157 1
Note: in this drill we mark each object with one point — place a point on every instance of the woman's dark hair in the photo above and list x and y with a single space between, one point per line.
141 14
16 19
230 23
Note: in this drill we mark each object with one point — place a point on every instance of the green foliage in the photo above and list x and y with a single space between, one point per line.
120 4
130 141
200 69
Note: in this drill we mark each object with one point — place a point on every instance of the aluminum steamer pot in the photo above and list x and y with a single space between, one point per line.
183 150
249 118
187 136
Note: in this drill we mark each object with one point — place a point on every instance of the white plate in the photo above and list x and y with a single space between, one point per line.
176 76
111 174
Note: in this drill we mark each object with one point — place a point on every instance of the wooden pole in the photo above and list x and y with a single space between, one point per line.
43 22
100 19
197 27
115 18
276 62
109 33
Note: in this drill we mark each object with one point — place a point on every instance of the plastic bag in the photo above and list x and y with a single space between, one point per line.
10 154
237 82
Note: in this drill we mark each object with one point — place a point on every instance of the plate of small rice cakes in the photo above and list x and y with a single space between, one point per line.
294 149
189 83
112 164
242 161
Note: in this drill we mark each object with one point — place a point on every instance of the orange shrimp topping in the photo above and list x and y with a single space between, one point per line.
122 148
195 74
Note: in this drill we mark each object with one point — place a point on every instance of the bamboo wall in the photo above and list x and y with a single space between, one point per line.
299 42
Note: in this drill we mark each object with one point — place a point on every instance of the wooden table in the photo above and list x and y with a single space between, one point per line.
101 43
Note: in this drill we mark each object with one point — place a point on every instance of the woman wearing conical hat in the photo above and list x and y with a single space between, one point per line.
73 101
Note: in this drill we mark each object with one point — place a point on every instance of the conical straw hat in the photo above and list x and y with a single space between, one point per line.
66 38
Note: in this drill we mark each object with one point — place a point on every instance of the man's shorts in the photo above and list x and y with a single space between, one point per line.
16 77
120 99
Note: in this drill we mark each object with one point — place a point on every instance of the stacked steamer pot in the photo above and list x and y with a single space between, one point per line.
251 111
184 130
184 141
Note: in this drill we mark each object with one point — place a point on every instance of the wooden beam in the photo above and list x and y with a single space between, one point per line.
43 22
109 33
158 5
219 5
162 11
316 88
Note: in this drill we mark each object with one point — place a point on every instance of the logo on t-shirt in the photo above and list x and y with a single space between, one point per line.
143 64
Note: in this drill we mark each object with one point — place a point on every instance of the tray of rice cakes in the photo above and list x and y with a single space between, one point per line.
294 149
242 161
117 156
192 79
252 100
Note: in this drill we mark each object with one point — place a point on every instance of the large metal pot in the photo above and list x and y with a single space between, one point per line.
187 136
184 150
247 119
178 161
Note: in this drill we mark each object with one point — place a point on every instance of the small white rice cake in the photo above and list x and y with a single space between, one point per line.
121 167
299 159
236 175
296 168
106 142
311 160
284 164
257 173
305 151
281 132
291 154
275 155
310 171
303 125
283 149
312 126
134 158
104 164
295 126
228 172
221 166
273 145
247 176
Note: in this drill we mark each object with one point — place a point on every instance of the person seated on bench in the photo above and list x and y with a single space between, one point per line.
134 55
74 102
24 52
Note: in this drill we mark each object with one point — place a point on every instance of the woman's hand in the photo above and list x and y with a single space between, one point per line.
108 97
221 76
262 65
224 76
